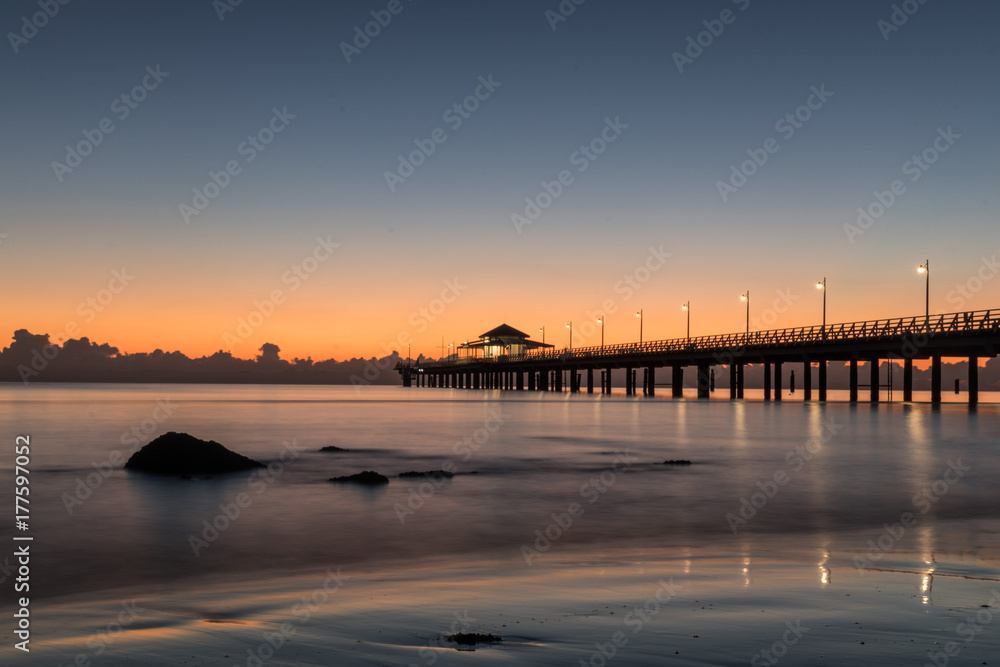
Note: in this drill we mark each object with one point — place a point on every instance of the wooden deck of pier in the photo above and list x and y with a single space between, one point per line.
970 335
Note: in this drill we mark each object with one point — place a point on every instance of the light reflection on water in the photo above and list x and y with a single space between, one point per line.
549 453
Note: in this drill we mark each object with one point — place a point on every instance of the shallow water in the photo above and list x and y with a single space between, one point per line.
543 482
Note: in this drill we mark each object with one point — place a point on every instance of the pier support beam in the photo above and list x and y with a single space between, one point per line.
973 380
677 381
652 380
629 381
854 381
908 380
777 381
557 377
739 380
767 381
732 381
873 380
520 380
936 378
822 379
703 381
590 380
807 381
531 380
607 380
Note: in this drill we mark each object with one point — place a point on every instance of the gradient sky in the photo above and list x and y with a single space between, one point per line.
654 186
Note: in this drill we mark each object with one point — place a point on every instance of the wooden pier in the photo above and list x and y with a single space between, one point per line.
971 335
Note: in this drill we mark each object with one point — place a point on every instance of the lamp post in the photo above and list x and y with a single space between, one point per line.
639 315
570 327
450 347
822 285
746 297
687 307
925 269
542 329
600 320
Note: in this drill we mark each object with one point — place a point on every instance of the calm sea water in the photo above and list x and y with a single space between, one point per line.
832 474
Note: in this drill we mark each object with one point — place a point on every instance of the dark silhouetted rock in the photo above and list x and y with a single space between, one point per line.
367 477
333 448
182 454
438 474
473 638
678 462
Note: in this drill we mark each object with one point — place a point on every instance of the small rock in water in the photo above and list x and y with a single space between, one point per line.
678 462
366 477
333 448
181 454
473 638
429 473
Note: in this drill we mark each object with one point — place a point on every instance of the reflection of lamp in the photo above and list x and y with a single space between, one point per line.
746 570
926 585
824 571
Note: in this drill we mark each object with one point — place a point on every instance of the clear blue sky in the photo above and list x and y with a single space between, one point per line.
324 173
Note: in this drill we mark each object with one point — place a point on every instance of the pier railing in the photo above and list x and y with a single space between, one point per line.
979 321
